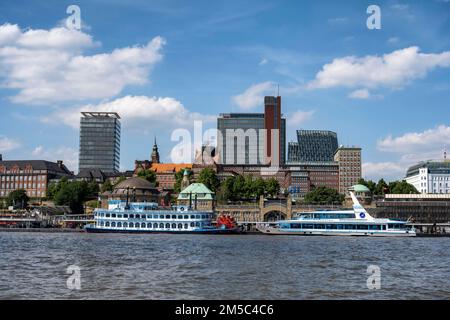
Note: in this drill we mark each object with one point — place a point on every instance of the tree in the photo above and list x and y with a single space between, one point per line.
107 186
18 198
381 188
259 186
148 175
238 187
226 189
209 178
272 187
323 195
403 187
179 177
53 187
73 194
369 184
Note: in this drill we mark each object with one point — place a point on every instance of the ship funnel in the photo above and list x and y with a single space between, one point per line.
360 212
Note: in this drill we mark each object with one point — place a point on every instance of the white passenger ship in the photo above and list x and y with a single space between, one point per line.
147 217
356 222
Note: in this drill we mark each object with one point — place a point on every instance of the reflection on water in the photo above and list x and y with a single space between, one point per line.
161 266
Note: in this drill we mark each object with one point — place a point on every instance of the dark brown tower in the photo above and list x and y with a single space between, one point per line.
155 153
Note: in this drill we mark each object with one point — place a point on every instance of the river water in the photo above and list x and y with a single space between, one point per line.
163 266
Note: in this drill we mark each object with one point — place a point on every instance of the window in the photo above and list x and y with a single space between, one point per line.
167 225
131 225
107 224
186 216
192 224
125 225
161 225
119 224
149 225
186 226
142 225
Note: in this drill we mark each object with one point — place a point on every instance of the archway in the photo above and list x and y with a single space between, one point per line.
273 216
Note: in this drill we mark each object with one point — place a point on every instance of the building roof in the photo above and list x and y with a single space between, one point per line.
434 167
37 165
199 189
170 167
135 183
90 174
360 188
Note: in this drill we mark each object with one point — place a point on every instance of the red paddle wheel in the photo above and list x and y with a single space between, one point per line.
227 222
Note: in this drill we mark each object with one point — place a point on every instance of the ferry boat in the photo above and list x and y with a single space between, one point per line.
356 222
148 217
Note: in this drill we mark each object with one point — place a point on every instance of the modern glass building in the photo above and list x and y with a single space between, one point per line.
313 145
246 138
99 141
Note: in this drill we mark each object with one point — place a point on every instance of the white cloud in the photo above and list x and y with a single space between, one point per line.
360 94
386 170
139 112
299 117
394 70
263 62
417 142
8 144
68 155
393 40
411 148
254 95
48 66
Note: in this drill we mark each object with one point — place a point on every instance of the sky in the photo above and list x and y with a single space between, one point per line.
164 65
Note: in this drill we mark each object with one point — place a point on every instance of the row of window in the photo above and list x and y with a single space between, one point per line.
149 225
151 216
23 178
22 185
342 226
30 193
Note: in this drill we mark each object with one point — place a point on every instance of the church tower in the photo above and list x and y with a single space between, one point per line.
155 153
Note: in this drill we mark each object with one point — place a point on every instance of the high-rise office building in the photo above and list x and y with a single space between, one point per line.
349 159
313 145
246 138
99 141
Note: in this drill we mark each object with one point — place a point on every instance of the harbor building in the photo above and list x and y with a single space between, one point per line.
430 177
253 138
350 172
198 196
313 145
33 176
99 141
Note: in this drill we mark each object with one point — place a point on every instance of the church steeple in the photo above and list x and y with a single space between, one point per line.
155 153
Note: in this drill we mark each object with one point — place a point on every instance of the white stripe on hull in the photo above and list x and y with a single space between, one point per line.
277 231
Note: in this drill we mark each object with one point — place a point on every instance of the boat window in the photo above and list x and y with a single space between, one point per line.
125 225
138 216
168 216
107 215
180 226
375 227
125 215
296 226
186 226
149 216
131 225
192 224
101 224
197 224
363 227
203 216
149 225
192 216
137 225
186 216
340 226
174 225
131 216
319 226
180 217
107 224
167 225
161 225
155 225
119 216
143 225
119 224
308 226
174 216
113 215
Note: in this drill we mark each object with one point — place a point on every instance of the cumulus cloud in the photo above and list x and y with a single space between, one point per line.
68 155
299 117
8 144
253 96
393 70
48 66
411 148
139 112
412 142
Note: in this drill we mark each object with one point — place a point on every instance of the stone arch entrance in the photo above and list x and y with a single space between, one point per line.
275 215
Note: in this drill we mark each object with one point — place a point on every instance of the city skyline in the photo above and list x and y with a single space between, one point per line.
383 90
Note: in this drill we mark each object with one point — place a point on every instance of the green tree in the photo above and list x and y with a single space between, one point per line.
381 188
238 187
53 187
226 189
259 186
323 195
73 195
179 178
148 175
369 184
18 198
403 187
209 178
272 187
107 186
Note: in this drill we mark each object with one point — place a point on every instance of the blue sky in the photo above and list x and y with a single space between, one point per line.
164 64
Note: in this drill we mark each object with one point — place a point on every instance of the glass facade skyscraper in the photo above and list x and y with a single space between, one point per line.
99 141
313 145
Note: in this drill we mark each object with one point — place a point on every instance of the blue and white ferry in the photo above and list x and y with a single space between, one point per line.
356 222
147 217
